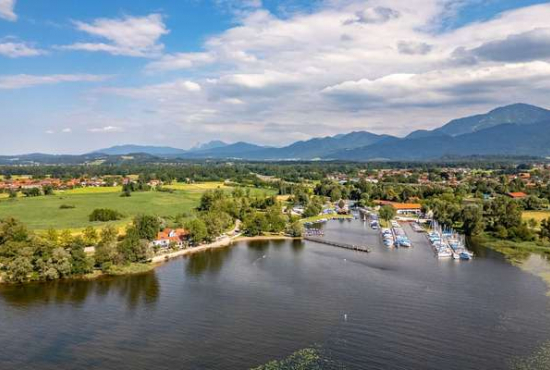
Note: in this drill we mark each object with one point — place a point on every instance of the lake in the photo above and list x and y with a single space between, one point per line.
240 307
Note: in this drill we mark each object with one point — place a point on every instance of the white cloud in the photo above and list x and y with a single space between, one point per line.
345 66
19 49
446 86
67 130
129 36
7 10
106 129
172 62
21 81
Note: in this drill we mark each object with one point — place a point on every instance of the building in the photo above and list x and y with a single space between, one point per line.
402 208
407 208
169 237
517 195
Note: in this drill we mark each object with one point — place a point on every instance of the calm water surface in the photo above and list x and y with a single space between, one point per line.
242 306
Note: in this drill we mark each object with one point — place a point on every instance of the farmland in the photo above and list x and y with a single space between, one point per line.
45 212
538 216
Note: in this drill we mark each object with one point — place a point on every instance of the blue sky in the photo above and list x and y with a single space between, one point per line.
82 75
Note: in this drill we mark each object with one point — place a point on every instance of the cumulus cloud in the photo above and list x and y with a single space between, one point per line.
21 81
19 49
448 86
413 47
129 36
531 45
343 67
375 15
7 8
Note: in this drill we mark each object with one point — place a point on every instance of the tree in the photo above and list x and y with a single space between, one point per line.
12 230
19 270
32 192
81 262
544 232
313 208
48 190
335 194
216 222
295 230
472 220
106 252
90 236
147 227
197 230
133 248
104 215
387 213
275 219
502 211
255 224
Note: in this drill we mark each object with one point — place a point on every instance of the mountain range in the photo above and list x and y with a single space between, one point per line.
512 130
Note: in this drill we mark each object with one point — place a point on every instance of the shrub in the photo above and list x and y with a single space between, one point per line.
104 215
67 206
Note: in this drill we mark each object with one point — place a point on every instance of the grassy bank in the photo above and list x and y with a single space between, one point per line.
522 254
514 251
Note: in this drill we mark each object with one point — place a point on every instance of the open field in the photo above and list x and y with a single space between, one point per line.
202 187
42 213
536 215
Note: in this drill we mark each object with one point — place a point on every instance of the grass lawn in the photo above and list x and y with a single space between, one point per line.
42 213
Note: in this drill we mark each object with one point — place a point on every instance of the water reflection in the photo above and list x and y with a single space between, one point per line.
297 246
133 289
210 261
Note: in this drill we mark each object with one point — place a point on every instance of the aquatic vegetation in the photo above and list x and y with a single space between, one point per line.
540 359
305 359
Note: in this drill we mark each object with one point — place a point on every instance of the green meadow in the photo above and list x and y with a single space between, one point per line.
45 212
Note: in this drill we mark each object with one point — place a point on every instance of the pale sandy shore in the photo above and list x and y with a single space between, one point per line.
225 242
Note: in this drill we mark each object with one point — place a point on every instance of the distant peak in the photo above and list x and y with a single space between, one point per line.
517 106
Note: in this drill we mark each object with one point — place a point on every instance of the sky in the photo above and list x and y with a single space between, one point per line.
76 76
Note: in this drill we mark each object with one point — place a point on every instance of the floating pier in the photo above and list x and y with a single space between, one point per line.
359 248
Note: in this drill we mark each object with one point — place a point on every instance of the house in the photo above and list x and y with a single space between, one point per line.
517 195
169 237
407 208
402 208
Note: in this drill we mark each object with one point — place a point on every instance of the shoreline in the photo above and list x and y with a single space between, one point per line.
265 237
157 261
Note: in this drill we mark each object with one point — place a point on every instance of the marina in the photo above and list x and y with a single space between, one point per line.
447 243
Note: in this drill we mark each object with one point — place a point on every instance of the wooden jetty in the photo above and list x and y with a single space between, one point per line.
359 248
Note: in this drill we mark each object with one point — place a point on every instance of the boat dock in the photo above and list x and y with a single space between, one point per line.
359 248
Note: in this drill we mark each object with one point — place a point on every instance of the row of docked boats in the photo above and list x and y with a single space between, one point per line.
395 237
448 244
